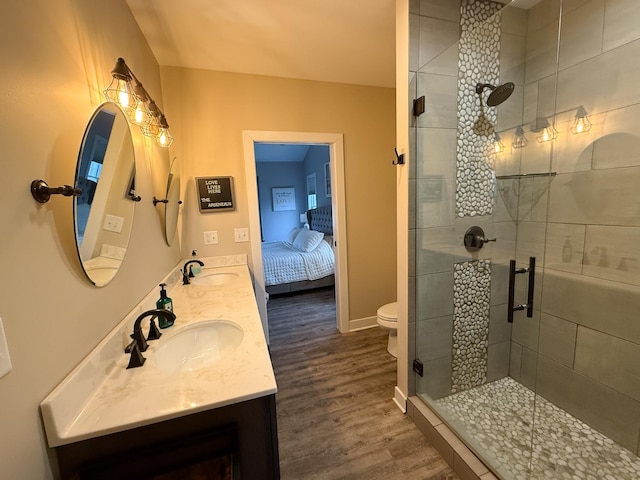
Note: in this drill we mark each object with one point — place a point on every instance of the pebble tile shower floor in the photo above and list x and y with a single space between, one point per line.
498 417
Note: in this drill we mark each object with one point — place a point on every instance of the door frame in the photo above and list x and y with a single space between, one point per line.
336 167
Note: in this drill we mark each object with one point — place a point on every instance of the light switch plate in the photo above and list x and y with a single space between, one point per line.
113 223
5 360
210 237
241 234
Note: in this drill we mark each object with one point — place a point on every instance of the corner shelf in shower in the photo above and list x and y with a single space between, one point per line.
525 175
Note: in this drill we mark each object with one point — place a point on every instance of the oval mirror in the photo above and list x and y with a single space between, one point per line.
103 213
172 205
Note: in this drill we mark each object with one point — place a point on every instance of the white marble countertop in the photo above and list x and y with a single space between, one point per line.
101 396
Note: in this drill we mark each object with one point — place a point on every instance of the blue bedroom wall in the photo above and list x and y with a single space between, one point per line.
277 224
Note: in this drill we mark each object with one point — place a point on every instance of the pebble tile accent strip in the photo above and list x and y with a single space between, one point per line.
478 62
499 417
471 303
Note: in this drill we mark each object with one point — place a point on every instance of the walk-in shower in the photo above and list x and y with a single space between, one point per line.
555 393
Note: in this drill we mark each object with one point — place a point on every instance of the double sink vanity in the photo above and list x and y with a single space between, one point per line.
203 401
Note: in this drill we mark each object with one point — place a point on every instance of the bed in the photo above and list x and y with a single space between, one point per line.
305 260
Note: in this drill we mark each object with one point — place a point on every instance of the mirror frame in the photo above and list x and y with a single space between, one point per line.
118 195
173 202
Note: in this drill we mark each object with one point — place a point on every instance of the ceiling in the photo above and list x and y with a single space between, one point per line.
344 41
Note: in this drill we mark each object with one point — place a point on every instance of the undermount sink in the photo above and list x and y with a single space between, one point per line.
197 346
213 278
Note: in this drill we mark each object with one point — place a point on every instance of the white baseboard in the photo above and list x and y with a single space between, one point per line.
400 399
362 323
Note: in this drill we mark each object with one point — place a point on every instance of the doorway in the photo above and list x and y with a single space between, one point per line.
334 141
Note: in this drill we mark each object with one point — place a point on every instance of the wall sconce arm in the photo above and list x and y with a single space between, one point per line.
42 192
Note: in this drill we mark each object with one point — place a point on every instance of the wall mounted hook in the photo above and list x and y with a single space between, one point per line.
399 158
42 192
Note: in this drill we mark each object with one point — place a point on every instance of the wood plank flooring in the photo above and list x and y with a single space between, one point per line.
336 417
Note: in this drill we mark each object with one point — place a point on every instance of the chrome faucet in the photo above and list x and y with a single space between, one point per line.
139 343
187 273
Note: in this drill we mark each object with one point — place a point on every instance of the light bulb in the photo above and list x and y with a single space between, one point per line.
547 134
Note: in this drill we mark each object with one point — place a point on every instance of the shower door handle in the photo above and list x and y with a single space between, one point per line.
513 271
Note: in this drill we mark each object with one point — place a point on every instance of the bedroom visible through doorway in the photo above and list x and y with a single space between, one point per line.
295 185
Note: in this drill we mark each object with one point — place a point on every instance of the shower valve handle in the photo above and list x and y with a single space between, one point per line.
474 239
485 239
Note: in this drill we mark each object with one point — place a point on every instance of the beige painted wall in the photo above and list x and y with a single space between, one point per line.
57 57
209 110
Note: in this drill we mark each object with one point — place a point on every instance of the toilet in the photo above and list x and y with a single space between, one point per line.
388 320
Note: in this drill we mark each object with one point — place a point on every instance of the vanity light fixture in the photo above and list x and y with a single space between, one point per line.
498 147
547 132
581 123
519 140
127 91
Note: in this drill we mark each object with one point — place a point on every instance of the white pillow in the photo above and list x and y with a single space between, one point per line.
291 236
308 240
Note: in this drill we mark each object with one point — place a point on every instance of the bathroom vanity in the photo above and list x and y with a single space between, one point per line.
196 409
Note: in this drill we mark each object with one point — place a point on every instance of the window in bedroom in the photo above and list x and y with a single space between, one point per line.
312 201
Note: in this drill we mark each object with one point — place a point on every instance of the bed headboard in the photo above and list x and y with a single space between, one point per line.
321 220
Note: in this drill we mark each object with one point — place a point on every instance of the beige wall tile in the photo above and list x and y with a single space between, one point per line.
498 361
437 148
612 253
514 21
440 94
536 157
581 35
445 63
499 328
616 150
441 9
620 22
529 369
546 100
510 112
609 307
525 330
435 249
596 197
434 338
530 103
435 202
499 285
436 382
504 248
530 242
515 361
557 339
513 49
414 42
541 60
436 36
612 413
565 247
609 360
543 13
569 6
435 295
590 82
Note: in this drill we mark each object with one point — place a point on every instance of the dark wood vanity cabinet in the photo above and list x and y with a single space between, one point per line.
238 441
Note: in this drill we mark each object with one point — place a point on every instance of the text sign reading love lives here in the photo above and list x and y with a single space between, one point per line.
215 193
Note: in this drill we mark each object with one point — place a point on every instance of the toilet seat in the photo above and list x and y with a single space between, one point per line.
389 313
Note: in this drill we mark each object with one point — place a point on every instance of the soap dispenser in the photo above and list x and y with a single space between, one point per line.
164 303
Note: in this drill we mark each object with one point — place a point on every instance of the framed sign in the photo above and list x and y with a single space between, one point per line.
283 199
215 193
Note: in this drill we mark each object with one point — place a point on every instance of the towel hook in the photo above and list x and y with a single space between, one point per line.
399 158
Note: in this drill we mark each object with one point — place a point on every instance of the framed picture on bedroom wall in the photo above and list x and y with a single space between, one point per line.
283 199
327 180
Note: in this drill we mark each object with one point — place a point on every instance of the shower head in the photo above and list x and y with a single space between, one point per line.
498 93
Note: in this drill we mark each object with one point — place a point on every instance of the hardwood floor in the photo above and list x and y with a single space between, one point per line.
336 417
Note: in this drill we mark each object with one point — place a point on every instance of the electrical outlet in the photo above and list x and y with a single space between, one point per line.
241 234
113 223
210 237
